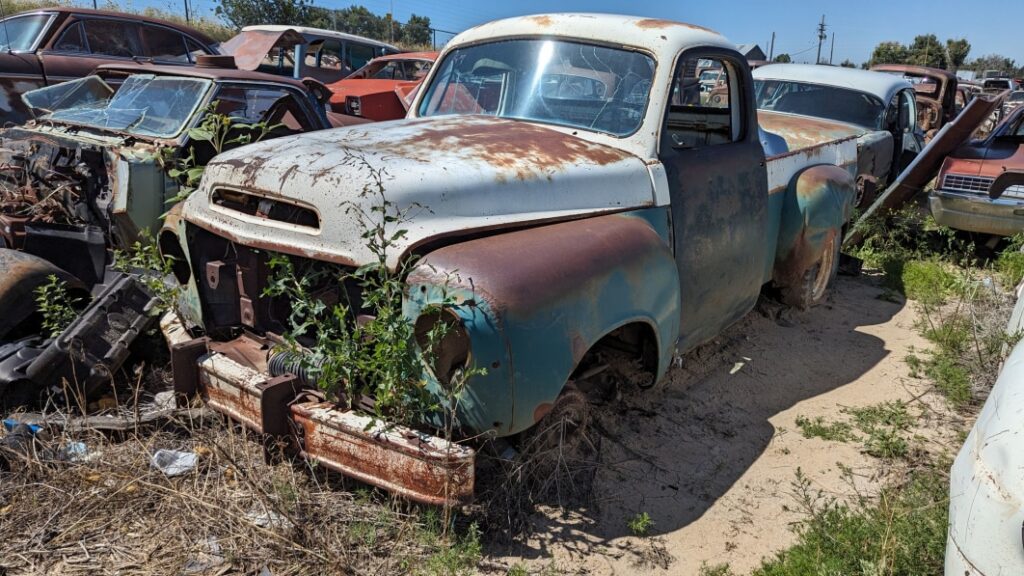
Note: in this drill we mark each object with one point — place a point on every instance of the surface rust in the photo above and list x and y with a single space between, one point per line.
659 24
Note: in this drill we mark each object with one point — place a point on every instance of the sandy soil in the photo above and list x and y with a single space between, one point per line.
711 454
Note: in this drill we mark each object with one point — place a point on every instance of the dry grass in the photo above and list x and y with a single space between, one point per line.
235 512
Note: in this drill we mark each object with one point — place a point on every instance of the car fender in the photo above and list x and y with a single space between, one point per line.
534 301
816 207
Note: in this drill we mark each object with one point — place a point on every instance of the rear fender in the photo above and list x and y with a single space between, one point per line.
535 301
817 205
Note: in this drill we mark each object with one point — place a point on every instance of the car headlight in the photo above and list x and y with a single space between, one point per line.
444 343
353 105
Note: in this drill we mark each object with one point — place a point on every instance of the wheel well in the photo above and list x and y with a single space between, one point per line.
630 350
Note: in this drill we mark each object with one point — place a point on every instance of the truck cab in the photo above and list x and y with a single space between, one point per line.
565 186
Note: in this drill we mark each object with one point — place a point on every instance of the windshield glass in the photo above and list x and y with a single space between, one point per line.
21 32
144 105
1017 97
549 81
839 104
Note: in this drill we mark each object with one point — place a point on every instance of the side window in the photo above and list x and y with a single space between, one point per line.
359 55
195 49
262 104
329 56
908 111
113 37
166 45
700 112
72 40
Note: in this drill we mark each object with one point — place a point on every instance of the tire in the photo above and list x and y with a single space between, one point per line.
20 275
560 435
813 287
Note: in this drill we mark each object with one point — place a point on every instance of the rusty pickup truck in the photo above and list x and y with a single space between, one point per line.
569 190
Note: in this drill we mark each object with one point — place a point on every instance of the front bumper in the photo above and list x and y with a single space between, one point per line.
412 464
977 213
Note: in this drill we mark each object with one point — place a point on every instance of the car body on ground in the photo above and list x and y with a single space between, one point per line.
985 482
92 174
325 55
568 188
384 88
53 45
997 85
882 107
938 98
962 198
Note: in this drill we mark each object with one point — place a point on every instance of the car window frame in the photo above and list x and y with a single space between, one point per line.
63 32
181 35
43 32
318 121
91 53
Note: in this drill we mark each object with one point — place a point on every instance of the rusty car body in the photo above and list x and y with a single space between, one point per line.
879 106
53 45
303 52
548 222
939 99
91 175
965 195
384 88
985 484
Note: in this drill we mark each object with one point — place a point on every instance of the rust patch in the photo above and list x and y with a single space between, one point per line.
659 24
541 20
521 148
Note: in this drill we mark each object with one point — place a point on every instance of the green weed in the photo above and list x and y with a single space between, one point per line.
818 428
56 305
715 570
640 524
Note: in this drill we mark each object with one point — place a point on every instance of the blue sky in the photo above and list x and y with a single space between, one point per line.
991 26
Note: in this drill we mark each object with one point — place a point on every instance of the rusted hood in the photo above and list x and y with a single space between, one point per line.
250 46
806 131
358 87
448 175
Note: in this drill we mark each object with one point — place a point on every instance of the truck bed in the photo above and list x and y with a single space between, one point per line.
811 141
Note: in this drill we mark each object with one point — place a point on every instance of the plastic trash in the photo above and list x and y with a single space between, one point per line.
74 452
174 463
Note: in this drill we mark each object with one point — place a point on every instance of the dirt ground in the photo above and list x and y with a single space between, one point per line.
712 453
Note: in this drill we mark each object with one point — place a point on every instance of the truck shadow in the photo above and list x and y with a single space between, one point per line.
675 450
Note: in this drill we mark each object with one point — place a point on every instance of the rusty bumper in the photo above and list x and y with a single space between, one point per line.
412 464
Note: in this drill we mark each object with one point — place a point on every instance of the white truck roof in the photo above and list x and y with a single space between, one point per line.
882 85
307 31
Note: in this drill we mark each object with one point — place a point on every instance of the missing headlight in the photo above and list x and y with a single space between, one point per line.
444 343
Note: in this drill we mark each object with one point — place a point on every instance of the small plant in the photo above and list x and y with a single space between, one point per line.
457 557
818 428
57 306
221 132
1010 263
715 570
891 414
517 570
640 524
144 260
886 443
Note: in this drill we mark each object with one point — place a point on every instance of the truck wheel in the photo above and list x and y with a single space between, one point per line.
560 436
811 290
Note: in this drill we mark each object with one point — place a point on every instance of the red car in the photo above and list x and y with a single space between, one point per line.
52 45
383 89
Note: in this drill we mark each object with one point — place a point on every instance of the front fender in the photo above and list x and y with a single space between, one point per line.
817 205
535 301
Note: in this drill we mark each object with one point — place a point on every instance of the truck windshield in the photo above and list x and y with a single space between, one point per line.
144 105
543 80
819 101
21 32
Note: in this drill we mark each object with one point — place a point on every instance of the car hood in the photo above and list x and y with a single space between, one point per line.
358 87
444 176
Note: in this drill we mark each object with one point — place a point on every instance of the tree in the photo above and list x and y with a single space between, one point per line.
993 62
416 31
848 64
239 13
783 59
927 51
956 52
890 53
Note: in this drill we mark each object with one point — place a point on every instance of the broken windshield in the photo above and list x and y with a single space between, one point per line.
551 81
144 105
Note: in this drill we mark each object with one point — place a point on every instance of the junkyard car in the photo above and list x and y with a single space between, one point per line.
937 93
302 52
985 483
90 176
384 88
53 45
963 197
881 107
568 189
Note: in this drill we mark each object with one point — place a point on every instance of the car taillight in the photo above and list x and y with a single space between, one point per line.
353 106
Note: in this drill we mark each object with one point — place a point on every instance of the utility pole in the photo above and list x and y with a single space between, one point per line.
821 38
833 49
771 48
187 19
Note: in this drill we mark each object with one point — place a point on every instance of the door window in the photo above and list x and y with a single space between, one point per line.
700 112
116 38
166 45
908 111
72 40
195 49
359 55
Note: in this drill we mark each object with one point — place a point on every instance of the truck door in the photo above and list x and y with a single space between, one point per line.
719 194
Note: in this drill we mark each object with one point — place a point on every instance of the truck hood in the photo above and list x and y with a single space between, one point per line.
445 176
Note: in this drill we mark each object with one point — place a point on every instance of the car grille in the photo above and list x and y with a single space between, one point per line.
978 185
